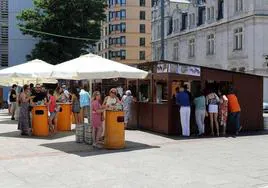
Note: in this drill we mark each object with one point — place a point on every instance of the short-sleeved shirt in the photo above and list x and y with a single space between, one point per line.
52 105
200 103
39 96
233 103
12 98
84 98
183 99
213 99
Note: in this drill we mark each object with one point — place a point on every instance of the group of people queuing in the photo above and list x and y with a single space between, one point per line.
220 106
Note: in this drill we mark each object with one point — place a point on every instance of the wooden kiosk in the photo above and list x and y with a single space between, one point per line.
157 111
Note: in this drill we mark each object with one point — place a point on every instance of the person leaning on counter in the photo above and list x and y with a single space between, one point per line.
111 100
39 95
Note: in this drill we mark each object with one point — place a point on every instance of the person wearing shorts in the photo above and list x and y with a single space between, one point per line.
85 103
212 101
13 101
52 111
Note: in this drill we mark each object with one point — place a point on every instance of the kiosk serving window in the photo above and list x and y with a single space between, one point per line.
144 91
161 92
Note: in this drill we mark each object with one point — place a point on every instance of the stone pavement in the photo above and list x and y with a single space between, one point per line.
149 160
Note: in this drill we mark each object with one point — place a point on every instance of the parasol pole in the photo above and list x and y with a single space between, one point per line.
90 93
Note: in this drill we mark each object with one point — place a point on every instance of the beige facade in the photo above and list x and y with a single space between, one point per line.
126 35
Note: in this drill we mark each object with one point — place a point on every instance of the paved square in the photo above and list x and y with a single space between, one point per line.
148 161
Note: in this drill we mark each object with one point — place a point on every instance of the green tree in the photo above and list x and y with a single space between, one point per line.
74 18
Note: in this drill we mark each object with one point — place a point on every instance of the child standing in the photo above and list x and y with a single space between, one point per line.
96 115
53 112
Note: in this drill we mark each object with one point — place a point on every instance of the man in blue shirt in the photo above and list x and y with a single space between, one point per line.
85 103
183 100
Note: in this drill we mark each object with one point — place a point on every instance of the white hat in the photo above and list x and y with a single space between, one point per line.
128 92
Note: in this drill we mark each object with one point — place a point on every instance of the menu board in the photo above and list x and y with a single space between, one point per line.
179 69
189 70
167 68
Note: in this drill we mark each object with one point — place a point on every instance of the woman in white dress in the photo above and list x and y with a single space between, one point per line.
127 102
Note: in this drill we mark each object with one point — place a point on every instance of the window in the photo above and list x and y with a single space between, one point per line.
211 44
142 28
184 21
142 41
123 40
191 47
192 20
176 51
176 25
142 3
123 2
123 27
238 5
158 31
170 26
4 60
4 35
220 9
118 14
142 55
122 54
106 44
238 39
142 15
123 14
118 40
210 13
201 15
4 9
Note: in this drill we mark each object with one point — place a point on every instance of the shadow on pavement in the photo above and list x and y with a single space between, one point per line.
178 137
84 150
7 121
16 134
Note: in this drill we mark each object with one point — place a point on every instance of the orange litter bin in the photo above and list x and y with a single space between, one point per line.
114 130
40 125
64 117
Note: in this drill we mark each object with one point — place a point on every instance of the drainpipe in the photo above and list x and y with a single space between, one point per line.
162 29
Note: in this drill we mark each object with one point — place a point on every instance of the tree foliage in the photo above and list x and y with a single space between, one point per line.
74 18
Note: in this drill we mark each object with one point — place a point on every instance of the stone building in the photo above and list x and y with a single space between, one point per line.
225 34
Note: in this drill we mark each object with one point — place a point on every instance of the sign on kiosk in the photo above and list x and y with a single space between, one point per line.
179 69
189 70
